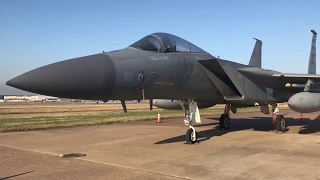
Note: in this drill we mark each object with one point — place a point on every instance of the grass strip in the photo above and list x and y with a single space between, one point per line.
115 116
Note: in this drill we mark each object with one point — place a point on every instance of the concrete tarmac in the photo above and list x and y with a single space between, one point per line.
150 150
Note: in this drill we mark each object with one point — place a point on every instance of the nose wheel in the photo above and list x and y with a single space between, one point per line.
191 136
189 113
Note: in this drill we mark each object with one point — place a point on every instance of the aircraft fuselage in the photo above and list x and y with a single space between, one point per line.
161 75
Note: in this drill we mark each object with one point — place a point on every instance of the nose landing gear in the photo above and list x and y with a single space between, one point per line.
190 114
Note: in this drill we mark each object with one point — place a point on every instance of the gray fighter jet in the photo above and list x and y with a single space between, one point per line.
164 66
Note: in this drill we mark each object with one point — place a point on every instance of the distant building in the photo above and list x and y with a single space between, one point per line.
43 98
22 98
30 98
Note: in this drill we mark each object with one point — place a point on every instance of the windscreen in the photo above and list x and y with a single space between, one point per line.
174 43
148 43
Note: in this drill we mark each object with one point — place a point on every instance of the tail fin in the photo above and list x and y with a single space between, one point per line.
312 58
255 59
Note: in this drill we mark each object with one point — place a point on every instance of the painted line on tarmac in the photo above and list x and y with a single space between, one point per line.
93 161
23 149
131 168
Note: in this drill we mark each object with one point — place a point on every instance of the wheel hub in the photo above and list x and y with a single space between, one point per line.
226 121
283 124
193 136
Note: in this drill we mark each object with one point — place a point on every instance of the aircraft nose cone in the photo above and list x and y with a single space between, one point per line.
89 77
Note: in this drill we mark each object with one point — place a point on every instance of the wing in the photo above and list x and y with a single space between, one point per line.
305 82
283 81
297 77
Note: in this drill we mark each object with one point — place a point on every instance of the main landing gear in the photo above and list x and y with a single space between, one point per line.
189 107
278 121
225 118
191 114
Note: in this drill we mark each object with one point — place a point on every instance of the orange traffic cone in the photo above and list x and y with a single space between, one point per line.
301 118
159 119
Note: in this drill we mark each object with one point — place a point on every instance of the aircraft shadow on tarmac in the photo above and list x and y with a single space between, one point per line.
16 175
309 126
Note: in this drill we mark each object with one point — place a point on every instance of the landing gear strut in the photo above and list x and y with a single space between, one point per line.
225 118
278 121
189 113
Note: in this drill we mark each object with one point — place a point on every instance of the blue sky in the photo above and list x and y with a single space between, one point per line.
35 33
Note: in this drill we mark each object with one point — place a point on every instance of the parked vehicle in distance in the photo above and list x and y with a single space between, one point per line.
52 100
76 100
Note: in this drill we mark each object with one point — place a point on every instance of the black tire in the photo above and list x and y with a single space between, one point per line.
221 122
188 136
224 121
281 125
227 122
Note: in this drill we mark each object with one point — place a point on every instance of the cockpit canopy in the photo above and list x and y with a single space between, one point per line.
164 42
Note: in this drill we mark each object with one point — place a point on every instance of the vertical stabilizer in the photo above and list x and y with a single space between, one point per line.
255 59
312 58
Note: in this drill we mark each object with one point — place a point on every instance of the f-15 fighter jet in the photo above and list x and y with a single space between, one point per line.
165 66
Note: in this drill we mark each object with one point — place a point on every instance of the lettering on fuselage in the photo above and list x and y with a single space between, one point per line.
159 58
